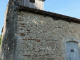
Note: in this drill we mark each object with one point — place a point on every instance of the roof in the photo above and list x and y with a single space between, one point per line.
55 16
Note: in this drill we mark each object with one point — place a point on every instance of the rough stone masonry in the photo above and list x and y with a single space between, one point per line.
32 34
42 37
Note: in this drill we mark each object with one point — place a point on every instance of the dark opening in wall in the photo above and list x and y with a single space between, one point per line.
33 1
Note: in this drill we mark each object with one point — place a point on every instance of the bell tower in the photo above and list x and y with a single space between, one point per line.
36 4
10 28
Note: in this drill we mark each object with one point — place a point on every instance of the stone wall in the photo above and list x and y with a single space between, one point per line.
41 37
8 44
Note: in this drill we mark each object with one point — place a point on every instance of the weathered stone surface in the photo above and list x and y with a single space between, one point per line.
44 37
9 33
28 36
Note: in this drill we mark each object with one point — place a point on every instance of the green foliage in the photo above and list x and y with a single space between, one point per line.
6 20
0 39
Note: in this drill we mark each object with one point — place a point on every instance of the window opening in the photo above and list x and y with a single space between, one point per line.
33 1
72 50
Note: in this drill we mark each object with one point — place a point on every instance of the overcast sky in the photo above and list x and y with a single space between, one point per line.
65 7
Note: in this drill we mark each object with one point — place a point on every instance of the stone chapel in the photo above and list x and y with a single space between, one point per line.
30 33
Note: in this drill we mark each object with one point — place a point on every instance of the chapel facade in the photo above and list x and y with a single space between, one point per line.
30 33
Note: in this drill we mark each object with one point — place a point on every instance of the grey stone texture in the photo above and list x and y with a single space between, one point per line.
28 36
9 37
43 38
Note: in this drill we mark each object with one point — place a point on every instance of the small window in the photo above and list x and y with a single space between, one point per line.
72 50
33 1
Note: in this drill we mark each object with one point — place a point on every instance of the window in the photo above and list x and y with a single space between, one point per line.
33 1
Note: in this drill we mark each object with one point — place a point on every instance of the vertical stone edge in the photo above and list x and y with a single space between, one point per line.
9 34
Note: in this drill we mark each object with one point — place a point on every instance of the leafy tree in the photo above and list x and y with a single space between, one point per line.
0 38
